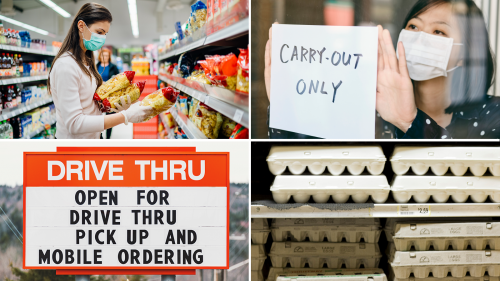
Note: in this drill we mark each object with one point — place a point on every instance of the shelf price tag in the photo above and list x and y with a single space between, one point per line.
414 210
237 115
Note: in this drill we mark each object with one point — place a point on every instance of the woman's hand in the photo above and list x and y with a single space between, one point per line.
267 64
137 113
395 98
124 105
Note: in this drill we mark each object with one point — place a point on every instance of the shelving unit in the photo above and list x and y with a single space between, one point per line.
25 108
23 79
381 211
231 104
27 50
192 132
35 133
230 32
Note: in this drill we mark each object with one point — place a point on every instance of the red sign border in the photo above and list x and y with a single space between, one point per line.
134 152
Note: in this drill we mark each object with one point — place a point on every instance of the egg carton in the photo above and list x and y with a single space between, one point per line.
275 272
440 263
334 255
340 188
256 275
363 277
258 255
448 278
439 159
318 232
390 224
259 230
421 188
443 236
318 158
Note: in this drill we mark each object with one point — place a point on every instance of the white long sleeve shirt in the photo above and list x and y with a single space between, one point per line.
78 116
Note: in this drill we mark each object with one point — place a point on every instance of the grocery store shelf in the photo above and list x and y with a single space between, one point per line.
227 33
231 104
23 79
187 126
6 114
37 132
27 50
376 210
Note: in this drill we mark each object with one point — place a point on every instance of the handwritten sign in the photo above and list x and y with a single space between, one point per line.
324 80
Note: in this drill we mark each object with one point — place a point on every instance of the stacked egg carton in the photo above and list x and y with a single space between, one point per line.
259 234
304 246
320 187
445 249
458 159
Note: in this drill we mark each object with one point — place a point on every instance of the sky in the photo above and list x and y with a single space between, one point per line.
11 153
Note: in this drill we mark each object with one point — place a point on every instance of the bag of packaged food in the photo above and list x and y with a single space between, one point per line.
160 100
208 120
183 105
192 108
133 92
243 72
170 120
198 15
186 65
239 132
223 70
179 133
227 127
118 82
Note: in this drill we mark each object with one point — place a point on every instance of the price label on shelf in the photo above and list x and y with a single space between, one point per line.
414 210
237 115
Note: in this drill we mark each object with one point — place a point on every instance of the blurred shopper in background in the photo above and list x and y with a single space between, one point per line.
107 70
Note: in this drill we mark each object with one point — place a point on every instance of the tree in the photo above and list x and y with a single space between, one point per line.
38 275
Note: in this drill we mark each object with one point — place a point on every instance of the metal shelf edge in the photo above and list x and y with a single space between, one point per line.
23 79
19 111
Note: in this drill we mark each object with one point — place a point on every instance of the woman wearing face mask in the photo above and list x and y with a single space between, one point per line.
74 79
435 84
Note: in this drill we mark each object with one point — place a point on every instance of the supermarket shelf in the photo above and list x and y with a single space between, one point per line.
35 133
229 32
187 126
380 210
27 50
231 104
170 131
23 79
25 108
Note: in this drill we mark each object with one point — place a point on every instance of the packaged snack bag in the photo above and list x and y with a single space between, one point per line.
227 127
186 65
160 100
198 15
208 121
193 107
120 81
179 133
221 70
170 120
243 72
133 91
239 132
183 105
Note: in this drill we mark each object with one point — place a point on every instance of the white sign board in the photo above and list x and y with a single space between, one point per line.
126 211
323 80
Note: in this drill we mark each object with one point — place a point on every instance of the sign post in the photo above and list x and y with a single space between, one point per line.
129 212
323 80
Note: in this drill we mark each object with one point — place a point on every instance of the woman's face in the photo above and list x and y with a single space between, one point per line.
440 21
105 57
100 27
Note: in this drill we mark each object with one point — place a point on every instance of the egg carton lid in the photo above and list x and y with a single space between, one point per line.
325 222
447 230
437 258
373 152
315 249
445 182
390 224
449 153
363 277
329 182
274 272
259 224
258 251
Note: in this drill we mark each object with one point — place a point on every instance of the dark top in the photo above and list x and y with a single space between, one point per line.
479 122
113 70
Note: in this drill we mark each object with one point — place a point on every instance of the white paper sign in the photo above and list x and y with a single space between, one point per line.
323 80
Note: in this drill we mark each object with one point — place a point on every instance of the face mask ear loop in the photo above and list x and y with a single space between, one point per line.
455 44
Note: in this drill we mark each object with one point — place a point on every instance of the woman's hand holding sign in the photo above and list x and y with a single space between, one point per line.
395 99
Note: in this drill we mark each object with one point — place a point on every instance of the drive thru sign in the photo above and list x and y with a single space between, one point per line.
126 210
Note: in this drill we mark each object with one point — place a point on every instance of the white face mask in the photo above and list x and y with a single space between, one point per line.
427 55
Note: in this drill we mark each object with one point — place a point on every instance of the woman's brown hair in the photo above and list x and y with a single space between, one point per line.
89 13
104 50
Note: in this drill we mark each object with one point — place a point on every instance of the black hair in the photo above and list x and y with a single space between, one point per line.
470 83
